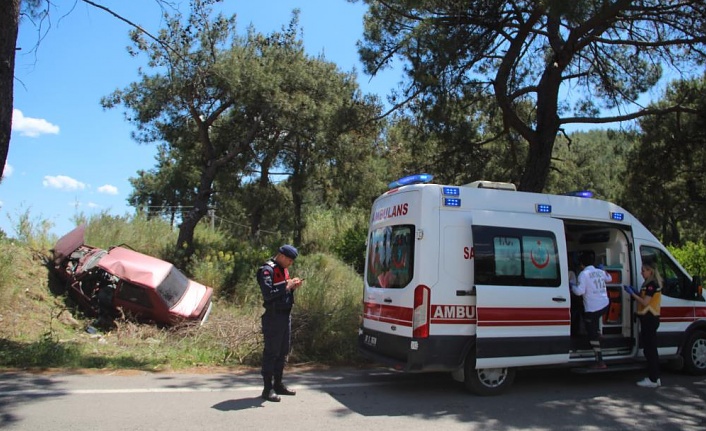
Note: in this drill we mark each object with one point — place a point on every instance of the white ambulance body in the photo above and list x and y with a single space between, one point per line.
475 280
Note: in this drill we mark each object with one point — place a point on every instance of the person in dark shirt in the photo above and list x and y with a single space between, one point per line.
278 298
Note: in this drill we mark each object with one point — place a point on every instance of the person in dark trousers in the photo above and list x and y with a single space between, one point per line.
649 299
592 287
278 298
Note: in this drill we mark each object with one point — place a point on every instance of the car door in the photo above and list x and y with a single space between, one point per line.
521 287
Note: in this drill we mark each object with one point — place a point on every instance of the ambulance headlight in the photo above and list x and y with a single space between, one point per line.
617 216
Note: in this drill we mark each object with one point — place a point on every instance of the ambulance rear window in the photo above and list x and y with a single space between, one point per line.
390 260
518 257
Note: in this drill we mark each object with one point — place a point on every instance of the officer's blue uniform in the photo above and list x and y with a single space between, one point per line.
276 323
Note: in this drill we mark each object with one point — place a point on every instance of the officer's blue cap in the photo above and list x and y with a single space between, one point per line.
289 251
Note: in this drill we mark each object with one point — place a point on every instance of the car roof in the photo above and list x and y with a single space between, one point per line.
135 267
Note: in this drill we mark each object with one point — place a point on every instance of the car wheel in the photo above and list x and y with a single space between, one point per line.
695 353
487 381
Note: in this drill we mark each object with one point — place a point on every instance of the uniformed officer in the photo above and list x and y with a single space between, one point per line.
278 297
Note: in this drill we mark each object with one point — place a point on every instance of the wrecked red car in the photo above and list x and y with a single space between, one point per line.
106 281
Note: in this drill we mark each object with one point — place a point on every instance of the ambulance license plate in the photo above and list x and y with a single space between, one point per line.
370 340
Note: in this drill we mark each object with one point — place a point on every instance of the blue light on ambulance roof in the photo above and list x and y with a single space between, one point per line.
580 194
617 216
451 191
543 208
452 202
411 179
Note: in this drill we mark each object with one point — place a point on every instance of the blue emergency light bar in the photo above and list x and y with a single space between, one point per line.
543 208
617 216
451 191
411 179
580 194
452 202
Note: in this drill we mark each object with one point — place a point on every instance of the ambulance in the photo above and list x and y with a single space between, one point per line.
474 280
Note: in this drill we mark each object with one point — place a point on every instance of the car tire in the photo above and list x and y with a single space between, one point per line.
694 353
487 381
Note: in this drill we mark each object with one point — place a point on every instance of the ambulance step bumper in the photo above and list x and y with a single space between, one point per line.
610 369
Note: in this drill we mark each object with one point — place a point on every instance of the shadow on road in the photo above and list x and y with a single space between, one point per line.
540 399
239 404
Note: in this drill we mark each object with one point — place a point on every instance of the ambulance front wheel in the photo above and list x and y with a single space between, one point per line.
487 381
695 353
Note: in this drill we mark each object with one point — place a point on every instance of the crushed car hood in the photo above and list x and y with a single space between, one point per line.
68 243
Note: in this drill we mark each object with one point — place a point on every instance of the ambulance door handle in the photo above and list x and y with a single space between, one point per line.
471 292
388 300
559 299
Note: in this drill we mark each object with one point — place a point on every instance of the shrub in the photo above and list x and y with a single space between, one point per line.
692 257
327 310
351 247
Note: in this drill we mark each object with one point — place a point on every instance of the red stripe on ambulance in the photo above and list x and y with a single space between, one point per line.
388 313
523 316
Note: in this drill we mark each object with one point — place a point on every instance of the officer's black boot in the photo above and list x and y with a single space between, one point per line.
268 393
280 388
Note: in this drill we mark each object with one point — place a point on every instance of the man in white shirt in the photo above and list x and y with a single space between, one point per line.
592 287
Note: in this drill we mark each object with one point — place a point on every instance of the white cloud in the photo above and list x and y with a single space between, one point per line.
7 172
63 182
31 127
108 189
92 205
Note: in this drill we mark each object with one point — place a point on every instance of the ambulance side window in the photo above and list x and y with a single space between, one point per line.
517 257
390 262
675 282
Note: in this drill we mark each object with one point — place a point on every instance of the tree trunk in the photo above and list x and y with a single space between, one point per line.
258 208
9 24
185 241
539 159
298 181
541 141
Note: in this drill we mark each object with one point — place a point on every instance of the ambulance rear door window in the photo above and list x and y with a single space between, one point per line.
390 259
518 257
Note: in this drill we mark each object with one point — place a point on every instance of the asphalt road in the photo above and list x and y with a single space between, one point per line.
347 399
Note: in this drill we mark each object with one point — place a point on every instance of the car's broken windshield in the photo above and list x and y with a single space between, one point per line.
173 287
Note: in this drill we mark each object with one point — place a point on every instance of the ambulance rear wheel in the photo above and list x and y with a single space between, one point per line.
487 381
695 353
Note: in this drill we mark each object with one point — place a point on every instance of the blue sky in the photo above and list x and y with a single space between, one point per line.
67 155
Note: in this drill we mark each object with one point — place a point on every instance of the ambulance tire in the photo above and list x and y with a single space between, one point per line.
488 381
694 353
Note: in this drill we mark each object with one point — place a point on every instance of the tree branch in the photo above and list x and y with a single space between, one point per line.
135 26
627 117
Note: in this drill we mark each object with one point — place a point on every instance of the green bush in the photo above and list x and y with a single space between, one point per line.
692 257
149 236
351 247
327 311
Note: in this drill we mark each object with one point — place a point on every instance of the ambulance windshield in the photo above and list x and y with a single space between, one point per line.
390 257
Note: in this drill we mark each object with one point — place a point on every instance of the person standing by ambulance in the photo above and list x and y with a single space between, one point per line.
278 298
649 300
592 287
